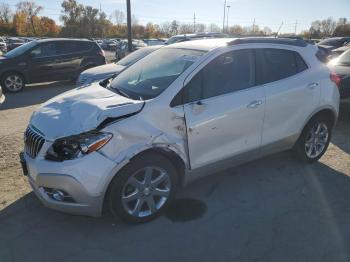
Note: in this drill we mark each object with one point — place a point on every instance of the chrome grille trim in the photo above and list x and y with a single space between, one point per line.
33 142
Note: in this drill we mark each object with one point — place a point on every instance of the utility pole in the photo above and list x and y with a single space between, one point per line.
223 21
102 34
295 28
228 10
253 26
128 11
279 29
194 22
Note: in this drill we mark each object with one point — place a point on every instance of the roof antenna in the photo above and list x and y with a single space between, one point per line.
279 29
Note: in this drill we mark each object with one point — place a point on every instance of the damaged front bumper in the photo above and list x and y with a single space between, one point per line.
82 182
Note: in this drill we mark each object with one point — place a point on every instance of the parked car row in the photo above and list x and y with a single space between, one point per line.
335 46
111 70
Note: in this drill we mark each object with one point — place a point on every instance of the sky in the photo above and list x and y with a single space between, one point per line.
269 13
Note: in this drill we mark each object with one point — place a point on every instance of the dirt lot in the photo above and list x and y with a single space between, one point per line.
273 209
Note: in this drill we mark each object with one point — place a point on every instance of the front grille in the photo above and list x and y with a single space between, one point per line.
33 142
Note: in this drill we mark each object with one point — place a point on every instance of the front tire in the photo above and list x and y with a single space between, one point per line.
13 82
314 140
143 190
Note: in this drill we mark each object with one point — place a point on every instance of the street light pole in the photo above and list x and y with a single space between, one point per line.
223 21
228 10
128 11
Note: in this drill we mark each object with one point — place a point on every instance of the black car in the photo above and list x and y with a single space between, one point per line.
48 60
340 67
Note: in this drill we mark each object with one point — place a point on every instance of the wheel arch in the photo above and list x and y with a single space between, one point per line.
13 71
178 163
329 112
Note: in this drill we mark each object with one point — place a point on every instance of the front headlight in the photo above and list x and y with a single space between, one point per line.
75 146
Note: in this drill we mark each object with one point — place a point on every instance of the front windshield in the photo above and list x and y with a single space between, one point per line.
20 50
149 77
135 56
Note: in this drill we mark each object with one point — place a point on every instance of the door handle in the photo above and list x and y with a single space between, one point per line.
198 107
312 85
254 104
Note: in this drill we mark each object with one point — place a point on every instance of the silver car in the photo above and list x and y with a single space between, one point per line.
102 72
182 112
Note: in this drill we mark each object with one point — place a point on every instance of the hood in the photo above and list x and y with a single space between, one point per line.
81 110
104 70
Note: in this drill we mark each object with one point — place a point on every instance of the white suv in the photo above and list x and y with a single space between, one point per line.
184 111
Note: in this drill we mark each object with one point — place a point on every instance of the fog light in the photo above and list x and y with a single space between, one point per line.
57 195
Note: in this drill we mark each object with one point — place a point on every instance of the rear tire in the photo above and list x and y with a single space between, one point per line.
314 140
143 189
13 82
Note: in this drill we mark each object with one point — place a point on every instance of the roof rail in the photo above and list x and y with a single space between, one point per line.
268 40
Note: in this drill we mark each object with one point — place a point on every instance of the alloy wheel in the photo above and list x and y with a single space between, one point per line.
13 83
316 140
146 191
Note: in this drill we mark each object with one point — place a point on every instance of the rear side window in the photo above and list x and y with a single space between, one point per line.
301 65
85 46
276 64
70 47
230 72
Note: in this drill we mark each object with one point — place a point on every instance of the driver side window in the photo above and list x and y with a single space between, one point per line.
227 73
44 50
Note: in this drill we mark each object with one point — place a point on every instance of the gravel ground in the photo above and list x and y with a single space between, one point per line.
273 209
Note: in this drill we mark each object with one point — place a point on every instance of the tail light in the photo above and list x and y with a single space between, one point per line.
336 78
101 52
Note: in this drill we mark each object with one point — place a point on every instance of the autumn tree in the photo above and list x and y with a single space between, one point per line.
31 11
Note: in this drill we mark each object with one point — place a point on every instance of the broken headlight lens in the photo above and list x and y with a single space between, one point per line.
72 147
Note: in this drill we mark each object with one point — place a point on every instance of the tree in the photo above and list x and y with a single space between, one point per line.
118 16
235 30
200 28
20 23
322 28
342 30
267 30
186 28
214 28
31 10
165 29
5 13
72 13
48 27
174 28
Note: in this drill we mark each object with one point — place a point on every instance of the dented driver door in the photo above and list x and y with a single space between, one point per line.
224 116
